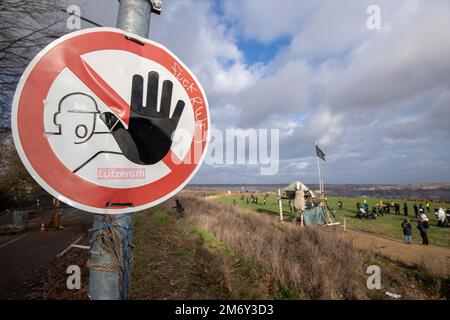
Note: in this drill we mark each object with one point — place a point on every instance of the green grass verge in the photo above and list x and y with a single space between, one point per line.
173 259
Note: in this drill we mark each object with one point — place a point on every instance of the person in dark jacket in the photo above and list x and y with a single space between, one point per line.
405 209
422 225
397 208
416 210
407 231
179 208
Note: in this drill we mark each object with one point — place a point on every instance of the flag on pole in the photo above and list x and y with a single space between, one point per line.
320 153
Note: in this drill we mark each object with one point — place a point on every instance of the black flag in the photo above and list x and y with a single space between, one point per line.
320 153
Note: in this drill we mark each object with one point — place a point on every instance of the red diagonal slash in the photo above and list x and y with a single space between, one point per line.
102 90
108 95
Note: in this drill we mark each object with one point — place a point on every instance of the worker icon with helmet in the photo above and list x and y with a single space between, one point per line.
76 117
77 121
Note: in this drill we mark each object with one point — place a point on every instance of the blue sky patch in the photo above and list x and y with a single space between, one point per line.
257 52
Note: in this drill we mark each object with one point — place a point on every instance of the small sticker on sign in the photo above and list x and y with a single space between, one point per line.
120 173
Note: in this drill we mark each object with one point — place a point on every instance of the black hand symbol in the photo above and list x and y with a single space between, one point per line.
149 135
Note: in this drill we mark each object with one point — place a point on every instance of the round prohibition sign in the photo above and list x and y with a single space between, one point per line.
100 74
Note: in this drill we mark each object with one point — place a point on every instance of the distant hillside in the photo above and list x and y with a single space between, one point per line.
433 191
399 191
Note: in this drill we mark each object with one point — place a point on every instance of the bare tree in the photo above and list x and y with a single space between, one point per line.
17 187
26 27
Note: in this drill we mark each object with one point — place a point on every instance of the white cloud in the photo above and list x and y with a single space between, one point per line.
284 93
406 62
266 20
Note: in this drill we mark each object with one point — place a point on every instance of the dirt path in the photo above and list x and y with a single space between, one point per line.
434 258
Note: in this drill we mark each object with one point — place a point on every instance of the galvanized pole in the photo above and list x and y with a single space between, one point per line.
133 17
320 179
104 284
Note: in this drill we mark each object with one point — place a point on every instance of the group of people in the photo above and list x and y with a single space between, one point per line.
420 210
253 198
362 211
383 207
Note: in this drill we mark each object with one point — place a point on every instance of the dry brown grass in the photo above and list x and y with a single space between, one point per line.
320 265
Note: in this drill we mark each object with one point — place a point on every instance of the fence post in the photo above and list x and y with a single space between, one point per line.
280 204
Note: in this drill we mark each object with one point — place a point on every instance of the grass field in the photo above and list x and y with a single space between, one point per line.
387 225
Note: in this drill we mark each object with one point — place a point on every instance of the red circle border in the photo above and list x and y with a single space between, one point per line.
38 151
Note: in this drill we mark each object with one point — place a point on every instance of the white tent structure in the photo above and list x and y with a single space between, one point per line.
296 186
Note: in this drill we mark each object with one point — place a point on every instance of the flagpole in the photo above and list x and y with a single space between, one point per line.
318 169
320 179
323 190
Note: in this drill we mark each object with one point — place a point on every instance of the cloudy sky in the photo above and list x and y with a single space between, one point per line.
378 101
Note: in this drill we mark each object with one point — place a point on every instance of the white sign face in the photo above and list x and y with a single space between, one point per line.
110 122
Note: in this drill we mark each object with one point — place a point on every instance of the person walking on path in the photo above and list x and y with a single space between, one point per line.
407 231
422 225
405 209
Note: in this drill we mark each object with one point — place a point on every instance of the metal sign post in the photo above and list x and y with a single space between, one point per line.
106 281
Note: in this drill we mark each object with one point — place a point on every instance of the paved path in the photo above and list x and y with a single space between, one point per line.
25 256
